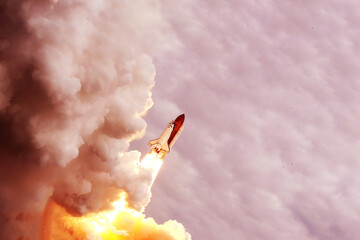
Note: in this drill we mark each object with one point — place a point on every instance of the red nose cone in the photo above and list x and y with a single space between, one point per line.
180 119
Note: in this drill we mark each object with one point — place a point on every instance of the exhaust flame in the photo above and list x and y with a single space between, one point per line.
121 222
152 161
102 223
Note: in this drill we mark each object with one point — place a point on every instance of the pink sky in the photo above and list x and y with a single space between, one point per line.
271 147
270 90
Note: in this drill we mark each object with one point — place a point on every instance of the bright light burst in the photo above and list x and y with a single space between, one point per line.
119 223
107 224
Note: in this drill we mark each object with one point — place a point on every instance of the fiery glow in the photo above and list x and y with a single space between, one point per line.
106 224
121 222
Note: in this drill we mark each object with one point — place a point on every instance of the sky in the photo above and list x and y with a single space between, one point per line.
270 148
270 95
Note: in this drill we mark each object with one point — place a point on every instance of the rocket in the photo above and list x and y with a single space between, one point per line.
163 144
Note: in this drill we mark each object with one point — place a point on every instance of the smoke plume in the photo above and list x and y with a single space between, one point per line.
75 79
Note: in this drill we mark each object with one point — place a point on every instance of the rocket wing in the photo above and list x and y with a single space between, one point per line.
164 147
153 142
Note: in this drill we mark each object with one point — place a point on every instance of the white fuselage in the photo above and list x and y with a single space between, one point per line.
161 142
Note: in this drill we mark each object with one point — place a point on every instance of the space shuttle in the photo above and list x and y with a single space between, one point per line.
163 144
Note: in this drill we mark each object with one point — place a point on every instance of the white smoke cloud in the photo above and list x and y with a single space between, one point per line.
75 80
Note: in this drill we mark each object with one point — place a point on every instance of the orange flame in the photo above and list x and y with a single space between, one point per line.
122 222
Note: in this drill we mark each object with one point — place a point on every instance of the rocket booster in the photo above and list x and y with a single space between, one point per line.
167 139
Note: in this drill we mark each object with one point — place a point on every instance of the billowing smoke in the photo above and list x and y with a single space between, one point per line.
75 79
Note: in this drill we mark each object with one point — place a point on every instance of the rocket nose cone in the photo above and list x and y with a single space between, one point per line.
180 118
